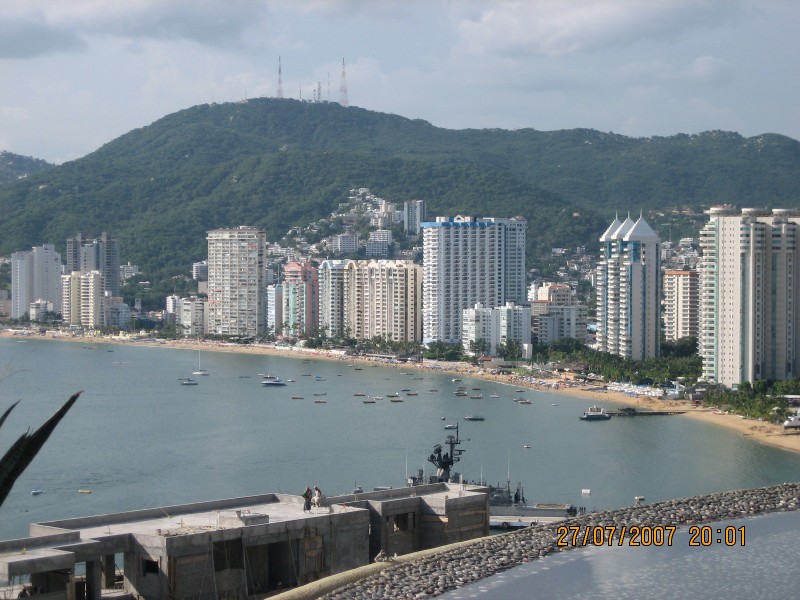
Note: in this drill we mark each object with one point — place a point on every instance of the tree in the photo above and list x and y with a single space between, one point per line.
27 446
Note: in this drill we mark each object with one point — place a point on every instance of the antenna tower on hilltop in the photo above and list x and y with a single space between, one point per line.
280 79
343 89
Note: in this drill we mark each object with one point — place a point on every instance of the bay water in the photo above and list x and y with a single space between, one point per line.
137 438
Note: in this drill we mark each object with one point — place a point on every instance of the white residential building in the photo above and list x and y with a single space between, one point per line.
331 297
383 298
192 316
496 325
236 304
35 276
681 304
83 302
274 309
469 261
628 300
748 295
413 216
345 243
102 254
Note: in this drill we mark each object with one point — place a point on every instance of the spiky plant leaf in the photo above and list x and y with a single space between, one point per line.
25 449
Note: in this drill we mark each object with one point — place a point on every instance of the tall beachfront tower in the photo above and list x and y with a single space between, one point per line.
681 304
300 299
468 261
102 254
628 300
331 297
382 298
748 288
35 275
236 302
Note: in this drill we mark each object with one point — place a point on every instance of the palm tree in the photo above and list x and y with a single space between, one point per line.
23 451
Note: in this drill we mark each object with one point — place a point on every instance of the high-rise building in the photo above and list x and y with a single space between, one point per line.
84 255
274 309
331 297
413 216
35 276
300 299
236 303
191 316
628 301
83 301
382 298
468 261
681 304
748 288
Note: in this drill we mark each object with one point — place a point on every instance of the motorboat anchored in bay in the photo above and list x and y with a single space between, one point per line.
595 413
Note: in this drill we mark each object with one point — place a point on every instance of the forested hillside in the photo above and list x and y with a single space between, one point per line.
279 163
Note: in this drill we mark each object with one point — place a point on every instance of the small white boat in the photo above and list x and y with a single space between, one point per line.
526 445
187 381
198 370
474 418
274 381
36 491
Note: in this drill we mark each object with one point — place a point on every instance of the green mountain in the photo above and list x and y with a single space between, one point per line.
14 167
278 163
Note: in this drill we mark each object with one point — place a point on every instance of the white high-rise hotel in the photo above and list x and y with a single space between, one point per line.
628 302
468 261
236 302
748 286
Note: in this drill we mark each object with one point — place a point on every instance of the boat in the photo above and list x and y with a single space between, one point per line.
493 396
359 394
368 401
523 401
451 426
595 413
507 507
526 445
321 394
198 370
455 379
320 401
474 418
187 381
477 397
36 491
84 491
393 395
272 382
377 397
412 393
395 399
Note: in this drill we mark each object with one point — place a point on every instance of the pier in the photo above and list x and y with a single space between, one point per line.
632 412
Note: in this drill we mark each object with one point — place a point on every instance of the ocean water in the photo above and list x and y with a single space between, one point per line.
138 439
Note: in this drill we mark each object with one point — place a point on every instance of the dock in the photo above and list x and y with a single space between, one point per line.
643 413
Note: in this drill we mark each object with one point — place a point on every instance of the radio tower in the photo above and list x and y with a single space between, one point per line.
343 89
280 80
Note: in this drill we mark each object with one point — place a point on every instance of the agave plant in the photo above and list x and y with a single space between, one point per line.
23 451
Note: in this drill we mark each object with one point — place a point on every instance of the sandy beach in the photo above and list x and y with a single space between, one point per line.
766 433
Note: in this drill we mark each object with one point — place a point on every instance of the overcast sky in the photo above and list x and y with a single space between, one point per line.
75 74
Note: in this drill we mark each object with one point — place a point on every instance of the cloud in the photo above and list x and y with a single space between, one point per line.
551 28
44 26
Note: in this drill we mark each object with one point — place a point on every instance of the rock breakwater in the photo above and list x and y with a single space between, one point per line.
451 568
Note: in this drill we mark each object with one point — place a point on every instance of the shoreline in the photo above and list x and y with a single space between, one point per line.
759 431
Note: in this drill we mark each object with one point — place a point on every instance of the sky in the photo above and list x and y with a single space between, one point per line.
76 74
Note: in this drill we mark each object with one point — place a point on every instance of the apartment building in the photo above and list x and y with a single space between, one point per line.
748 291
628 286
681 304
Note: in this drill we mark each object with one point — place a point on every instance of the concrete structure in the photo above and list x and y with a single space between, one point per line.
236 302
681 304
85 254
192 316
83 302
274 309
127 271
551 322
35 276
495 326
345 243
748 291
628 283
413 216
200 270
331 297
467 261
382 298
300 299
238 547
5 303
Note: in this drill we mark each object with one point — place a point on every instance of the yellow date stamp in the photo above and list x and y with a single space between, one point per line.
646 535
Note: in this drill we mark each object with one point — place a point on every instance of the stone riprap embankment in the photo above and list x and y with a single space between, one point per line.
453 567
